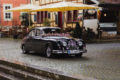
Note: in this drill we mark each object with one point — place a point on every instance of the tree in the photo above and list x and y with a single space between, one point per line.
77 32
25 19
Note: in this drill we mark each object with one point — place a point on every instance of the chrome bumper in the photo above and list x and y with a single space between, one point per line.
69 51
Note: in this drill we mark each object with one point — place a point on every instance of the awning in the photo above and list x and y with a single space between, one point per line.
65 6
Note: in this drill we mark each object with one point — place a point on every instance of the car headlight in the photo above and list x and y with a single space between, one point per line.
64 43
80 43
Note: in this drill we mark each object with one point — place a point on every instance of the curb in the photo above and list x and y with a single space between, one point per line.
46 72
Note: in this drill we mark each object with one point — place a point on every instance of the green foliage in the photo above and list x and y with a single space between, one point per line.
77 32
46 22
25 19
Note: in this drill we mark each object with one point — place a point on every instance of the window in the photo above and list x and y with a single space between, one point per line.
69 16
49 15
52 30
32 33
46 14
39 32
23 16
7 7
41 17
7 15
75 15
35 17
38 17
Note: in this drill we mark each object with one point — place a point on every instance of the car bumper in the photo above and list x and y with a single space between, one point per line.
69 51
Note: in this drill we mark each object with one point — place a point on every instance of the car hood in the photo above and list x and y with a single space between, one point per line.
59 38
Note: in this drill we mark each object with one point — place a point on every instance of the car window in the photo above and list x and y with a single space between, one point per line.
39 32
52 30
32 33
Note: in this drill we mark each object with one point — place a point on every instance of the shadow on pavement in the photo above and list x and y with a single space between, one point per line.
62 57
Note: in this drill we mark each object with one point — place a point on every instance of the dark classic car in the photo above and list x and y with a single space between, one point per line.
50 41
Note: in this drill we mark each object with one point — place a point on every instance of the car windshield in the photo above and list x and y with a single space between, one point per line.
52 30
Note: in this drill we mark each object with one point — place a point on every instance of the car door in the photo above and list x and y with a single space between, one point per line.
29 40
38 41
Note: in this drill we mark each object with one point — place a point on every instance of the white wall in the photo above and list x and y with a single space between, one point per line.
91 23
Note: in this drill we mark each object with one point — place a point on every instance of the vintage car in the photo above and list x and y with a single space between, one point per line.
50 41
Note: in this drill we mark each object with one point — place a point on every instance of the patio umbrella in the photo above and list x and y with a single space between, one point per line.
64 6
23 8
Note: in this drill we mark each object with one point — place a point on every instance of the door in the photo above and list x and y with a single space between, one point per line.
29 40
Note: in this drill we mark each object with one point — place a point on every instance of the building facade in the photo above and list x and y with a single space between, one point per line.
57 18
9 19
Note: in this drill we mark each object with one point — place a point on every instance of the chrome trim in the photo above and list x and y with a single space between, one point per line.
66 51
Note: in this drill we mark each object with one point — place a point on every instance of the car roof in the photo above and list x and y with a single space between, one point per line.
47 27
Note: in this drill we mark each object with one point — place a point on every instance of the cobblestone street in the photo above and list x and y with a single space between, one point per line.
102 61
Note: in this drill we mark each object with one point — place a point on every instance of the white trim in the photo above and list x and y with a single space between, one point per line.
95 1
4 12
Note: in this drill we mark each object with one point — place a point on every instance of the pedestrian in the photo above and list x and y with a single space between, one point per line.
84 33
99 35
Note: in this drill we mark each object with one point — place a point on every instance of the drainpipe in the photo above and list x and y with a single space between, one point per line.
83 14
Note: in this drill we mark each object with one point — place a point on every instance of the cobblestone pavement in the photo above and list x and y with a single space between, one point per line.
102 61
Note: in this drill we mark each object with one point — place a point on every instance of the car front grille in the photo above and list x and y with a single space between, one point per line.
72 45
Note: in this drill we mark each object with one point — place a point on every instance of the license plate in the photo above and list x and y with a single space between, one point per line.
73 51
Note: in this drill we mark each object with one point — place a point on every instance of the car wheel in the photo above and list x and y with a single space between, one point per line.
24 51
49 52
79 55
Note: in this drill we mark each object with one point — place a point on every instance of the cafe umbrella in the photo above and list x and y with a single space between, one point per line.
64 6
